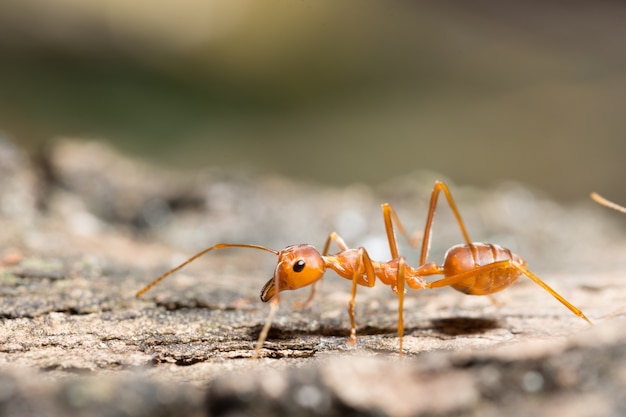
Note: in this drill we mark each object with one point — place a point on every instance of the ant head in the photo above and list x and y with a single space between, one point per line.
297 267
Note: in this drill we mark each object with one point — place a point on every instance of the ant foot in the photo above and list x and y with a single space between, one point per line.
352 339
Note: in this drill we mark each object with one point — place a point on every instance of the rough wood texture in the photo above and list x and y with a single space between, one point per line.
84 229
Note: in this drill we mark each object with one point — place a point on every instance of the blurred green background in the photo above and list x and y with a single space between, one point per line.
335 91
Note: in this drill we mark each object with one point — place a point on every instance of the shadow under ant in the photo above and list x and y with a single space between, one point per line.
452 326
459 326
323 330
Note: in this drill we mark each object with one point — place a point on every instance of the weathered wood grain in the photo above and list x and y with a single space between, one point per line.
97 227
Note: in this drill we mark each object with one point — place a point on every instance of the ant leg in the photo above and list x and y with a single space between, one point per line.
334 237
440 186
390 217
363 262
555 294
494 301
607 203
401 278
268 322
501 266
614 313
301 305
266 327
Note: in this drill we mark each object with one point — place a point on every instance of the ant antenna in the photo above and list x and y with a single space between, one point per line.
196 256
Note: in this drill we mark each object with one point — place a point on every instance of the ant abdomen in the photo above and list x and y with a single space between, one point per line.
468 258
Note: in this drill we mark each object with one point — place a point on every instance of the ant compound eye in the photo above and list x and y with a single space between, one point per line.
298 266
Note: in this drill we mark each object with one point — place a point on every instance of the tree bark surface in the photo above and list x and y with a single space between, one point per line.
83 229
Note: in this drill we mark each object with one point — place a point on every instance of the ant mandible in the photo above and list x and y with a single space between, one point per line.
471 268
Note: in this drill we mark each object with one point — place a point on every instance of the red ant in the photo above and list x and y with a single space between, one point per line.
471 268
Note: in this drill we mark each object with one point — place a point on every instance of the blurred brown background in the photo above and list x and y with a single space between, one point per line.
331 91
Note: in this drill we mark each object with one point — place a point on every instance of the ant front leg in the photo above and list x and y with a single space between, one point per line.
266 327
362 268
334 237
